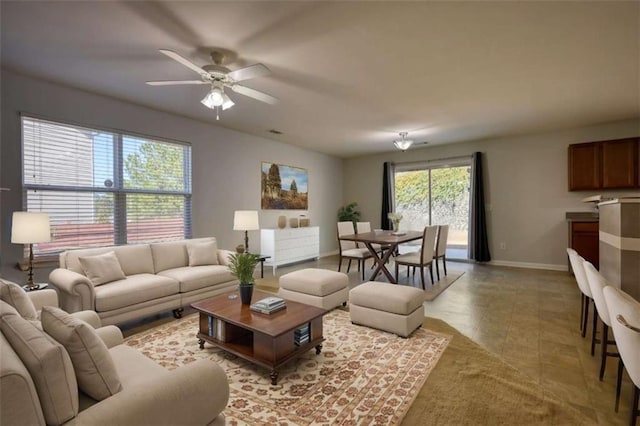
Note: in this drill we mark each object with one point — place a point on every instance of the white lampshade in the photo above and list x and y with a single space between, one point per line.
29 228
245 220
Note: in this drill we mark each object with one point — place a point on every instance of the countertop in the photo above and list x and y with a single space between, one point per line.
582 216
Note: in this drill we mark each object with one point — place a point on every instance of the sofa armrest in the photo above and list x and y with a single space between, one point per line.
46 297
76 291
90 317
194 394
110 335
223 256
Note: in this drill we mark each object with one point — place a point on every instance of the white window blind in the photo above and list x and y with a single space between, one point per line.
104 188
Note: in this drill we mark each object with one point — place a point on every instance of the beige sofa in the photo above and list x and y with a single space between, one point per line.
34 392
157 278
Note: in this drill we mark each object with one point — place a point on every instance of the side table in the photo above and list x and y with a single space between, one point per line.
35 287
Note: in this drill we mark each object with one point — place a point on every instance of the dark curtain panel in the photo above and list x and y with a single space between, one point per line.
388 196
479 242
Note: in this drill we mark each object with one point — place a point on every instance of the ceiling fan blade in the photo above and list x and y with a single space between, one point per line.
255 94
253 71
174 82
184 61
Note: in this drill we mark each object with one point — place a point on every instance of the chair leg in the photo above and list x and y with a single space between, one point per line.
437 269
604 344
444 264
363 268
339 263
581 309
634 405
593 330
349 267
422 278
586 315
397 276
431 273
619 383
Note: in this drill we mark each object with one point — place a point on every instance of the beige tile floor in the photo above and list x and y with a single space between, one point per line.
528 317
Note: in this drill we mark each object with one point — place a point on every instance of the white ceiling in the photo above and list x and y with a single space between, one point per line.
350 75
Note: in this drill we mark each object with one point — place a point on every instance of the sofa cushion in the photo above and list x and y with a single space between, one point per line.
169 255
201 254
196 277
133 366
49 366
15 296
102 268
95 372
134 259
134 289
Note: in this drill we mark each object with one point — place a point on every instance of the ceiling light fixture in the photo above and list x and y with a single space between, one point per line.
403 144
217 98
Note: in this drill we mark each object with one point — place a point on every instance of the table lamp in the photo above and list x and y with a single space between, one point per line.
30 228
246 220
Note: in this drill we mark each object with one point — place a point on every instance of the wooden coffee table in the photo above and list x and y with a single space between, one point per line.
267 340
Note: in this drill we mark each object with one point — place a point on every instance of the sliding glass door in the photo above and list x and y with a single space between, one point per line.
436 193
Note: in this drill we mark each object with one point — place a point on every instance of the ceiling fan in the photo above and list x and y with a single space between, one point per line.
403 143
219 78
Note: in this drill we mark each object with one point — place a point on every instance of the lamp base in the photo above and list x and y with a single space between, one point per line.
35 286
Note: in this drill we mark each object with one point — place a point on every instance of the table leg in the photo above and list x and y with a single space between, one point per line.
318 349
201 343
381 263
274 377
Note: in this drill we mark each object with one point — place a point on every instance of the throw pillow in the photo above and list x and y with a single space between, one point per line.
49 366
205 253
95 370
102 268
15 295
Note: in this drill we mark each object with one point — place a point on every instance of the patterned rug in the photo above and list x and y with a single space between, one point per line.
363 376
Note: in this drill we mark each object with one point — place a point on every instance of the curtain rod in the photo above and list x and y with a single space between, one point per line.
459 157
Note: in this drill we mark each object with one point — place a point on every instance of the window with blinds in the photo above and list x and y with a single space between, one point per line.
104 188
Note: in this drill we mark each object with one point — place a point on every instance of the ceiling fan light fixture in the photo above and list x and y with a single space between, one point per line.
226 102
214 98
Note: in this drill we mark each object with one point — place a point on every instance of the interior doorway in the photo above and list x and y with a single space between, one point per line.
436 193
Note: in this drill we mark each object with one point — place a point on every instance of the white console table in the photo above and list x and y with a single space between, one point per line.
289 245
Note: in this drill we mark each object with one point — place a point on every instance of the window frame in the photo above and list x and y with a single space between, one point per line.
118 189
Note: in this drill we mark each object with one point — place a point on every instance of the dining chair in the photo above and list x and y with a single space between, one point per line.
422 258
624 312
597 283
441 248
349 249
363 227
578 271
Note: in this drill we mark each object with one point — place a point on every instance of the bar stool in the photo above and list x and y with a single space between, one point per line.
578 270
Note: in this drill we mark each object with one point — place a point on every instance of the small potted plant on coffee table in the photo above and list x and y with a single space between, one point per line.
242 266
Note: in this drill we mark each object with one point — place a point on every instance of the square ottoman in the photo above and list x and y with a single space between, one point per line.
394 308
317 287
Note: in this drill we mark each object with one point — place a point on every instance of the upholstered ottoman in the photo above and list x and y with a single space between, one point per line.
394 308
318 287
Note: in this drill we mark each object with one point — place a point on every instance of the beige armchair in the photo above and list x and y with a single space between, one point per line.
39 382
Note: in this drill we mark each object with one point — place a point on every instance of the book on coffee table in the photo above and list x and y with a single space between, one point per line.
269 305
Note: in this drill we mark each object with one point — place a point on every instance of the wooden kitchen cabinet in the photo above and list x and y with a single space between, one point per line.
585 239
620 163
610 164
584 166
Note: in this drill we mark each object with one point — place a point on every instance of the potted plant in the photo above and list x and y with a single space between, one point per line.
349 212
242 266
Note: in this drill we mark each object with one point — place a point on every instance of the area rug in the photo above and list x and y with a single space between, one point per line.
471 386
363 376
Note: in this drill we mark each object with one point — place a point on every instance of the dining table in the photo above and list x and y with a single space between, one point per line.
389 239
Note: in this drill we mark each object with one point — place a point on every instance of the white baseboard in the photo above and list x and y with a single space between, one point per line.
330 253
529 265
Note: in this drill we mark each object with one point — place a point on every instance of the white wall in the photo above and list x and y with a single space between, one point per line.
526 188
226 164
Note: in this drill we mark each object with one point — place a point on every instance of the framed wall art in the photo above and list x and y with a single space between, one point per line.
284 187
